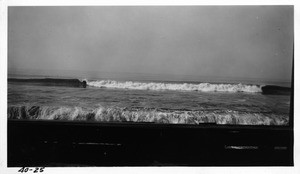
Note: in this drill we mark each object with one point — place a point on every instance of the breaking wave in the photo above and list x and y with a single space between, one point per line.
117 114
204 87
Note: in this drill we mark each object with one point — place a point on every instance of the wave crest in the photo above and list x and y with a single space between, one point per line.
116 114
204 87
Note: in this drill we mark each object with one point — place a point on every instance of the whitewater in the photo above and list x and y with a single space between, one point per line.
117 114
159 102
203 87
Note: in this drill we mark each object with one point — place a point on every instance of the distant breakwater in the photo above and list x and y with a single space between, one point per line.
52 82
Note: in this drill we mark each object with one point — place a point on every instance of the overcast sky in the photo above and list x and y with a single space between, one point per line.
231 41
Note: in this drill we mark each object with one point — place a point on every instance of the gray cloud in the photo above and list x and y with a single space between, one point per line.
231 41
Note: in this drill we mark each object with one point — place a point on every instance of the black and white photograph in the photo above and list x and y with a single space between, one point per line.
150 86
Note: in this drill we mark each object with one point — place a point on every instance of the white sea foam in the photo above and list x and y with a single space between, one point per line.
204 87
116 114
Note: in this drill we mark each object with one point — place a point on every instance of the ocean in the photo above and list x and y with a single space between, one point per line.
147 101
